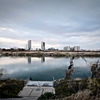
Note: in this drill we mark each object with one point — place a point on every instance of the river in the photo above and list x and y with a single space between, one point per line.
44 68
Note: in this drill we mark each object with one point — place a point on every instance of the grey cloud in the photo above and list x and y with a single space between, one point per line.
31 10
65 18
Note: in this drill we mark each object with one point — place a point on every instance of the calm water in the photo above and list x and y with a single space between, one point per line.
44 68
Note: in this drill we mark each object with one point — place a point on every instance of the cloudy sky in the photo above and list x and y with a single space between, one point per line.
59 23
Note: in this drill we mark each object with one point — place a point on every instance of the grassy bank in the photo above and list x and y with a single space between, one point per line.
9 88
77 89
87 89
49 54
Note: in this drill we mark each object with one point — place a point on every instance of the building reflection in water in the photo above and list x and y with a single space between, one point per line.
42 59
29 60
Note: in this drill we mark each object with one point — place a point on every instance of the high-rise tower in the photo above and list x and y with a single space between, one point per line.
29 44
42 45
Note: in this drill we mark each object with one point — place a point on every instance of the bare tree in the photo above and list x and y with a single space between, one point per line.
95 68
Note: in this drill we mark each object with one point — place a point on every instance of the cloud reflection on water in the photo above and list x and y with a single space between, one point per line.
24 67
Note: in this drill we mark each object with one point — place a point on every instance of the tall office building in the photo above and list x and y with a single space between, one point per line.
29 44
76 48
42 45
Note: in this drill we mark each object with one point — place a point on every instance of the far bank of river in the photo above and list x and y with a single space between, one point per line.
49 53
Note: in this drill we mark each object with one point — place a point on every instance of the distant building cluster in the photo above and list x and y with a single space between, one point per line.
29 46
75 48
43 48
66 48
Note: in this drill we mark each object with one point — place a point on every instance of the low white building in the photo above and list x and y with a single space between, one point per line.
67 48
76 48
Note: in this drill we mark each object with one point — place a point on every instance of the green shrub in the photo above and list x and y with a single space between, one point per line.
10 88
46 96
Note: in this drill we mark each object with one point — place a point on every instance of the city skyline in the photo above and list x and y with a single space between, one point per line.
58 23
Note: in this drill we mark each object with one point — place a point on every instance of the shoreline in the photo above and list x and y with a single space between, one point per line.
65 89
49 53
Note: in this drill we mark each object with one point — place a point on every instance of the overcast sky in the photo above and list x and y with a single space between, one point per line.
58 23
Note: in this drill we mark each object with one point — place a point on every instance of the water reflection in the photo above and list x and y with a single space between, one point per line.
21 68
42 59
29 60
11 60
